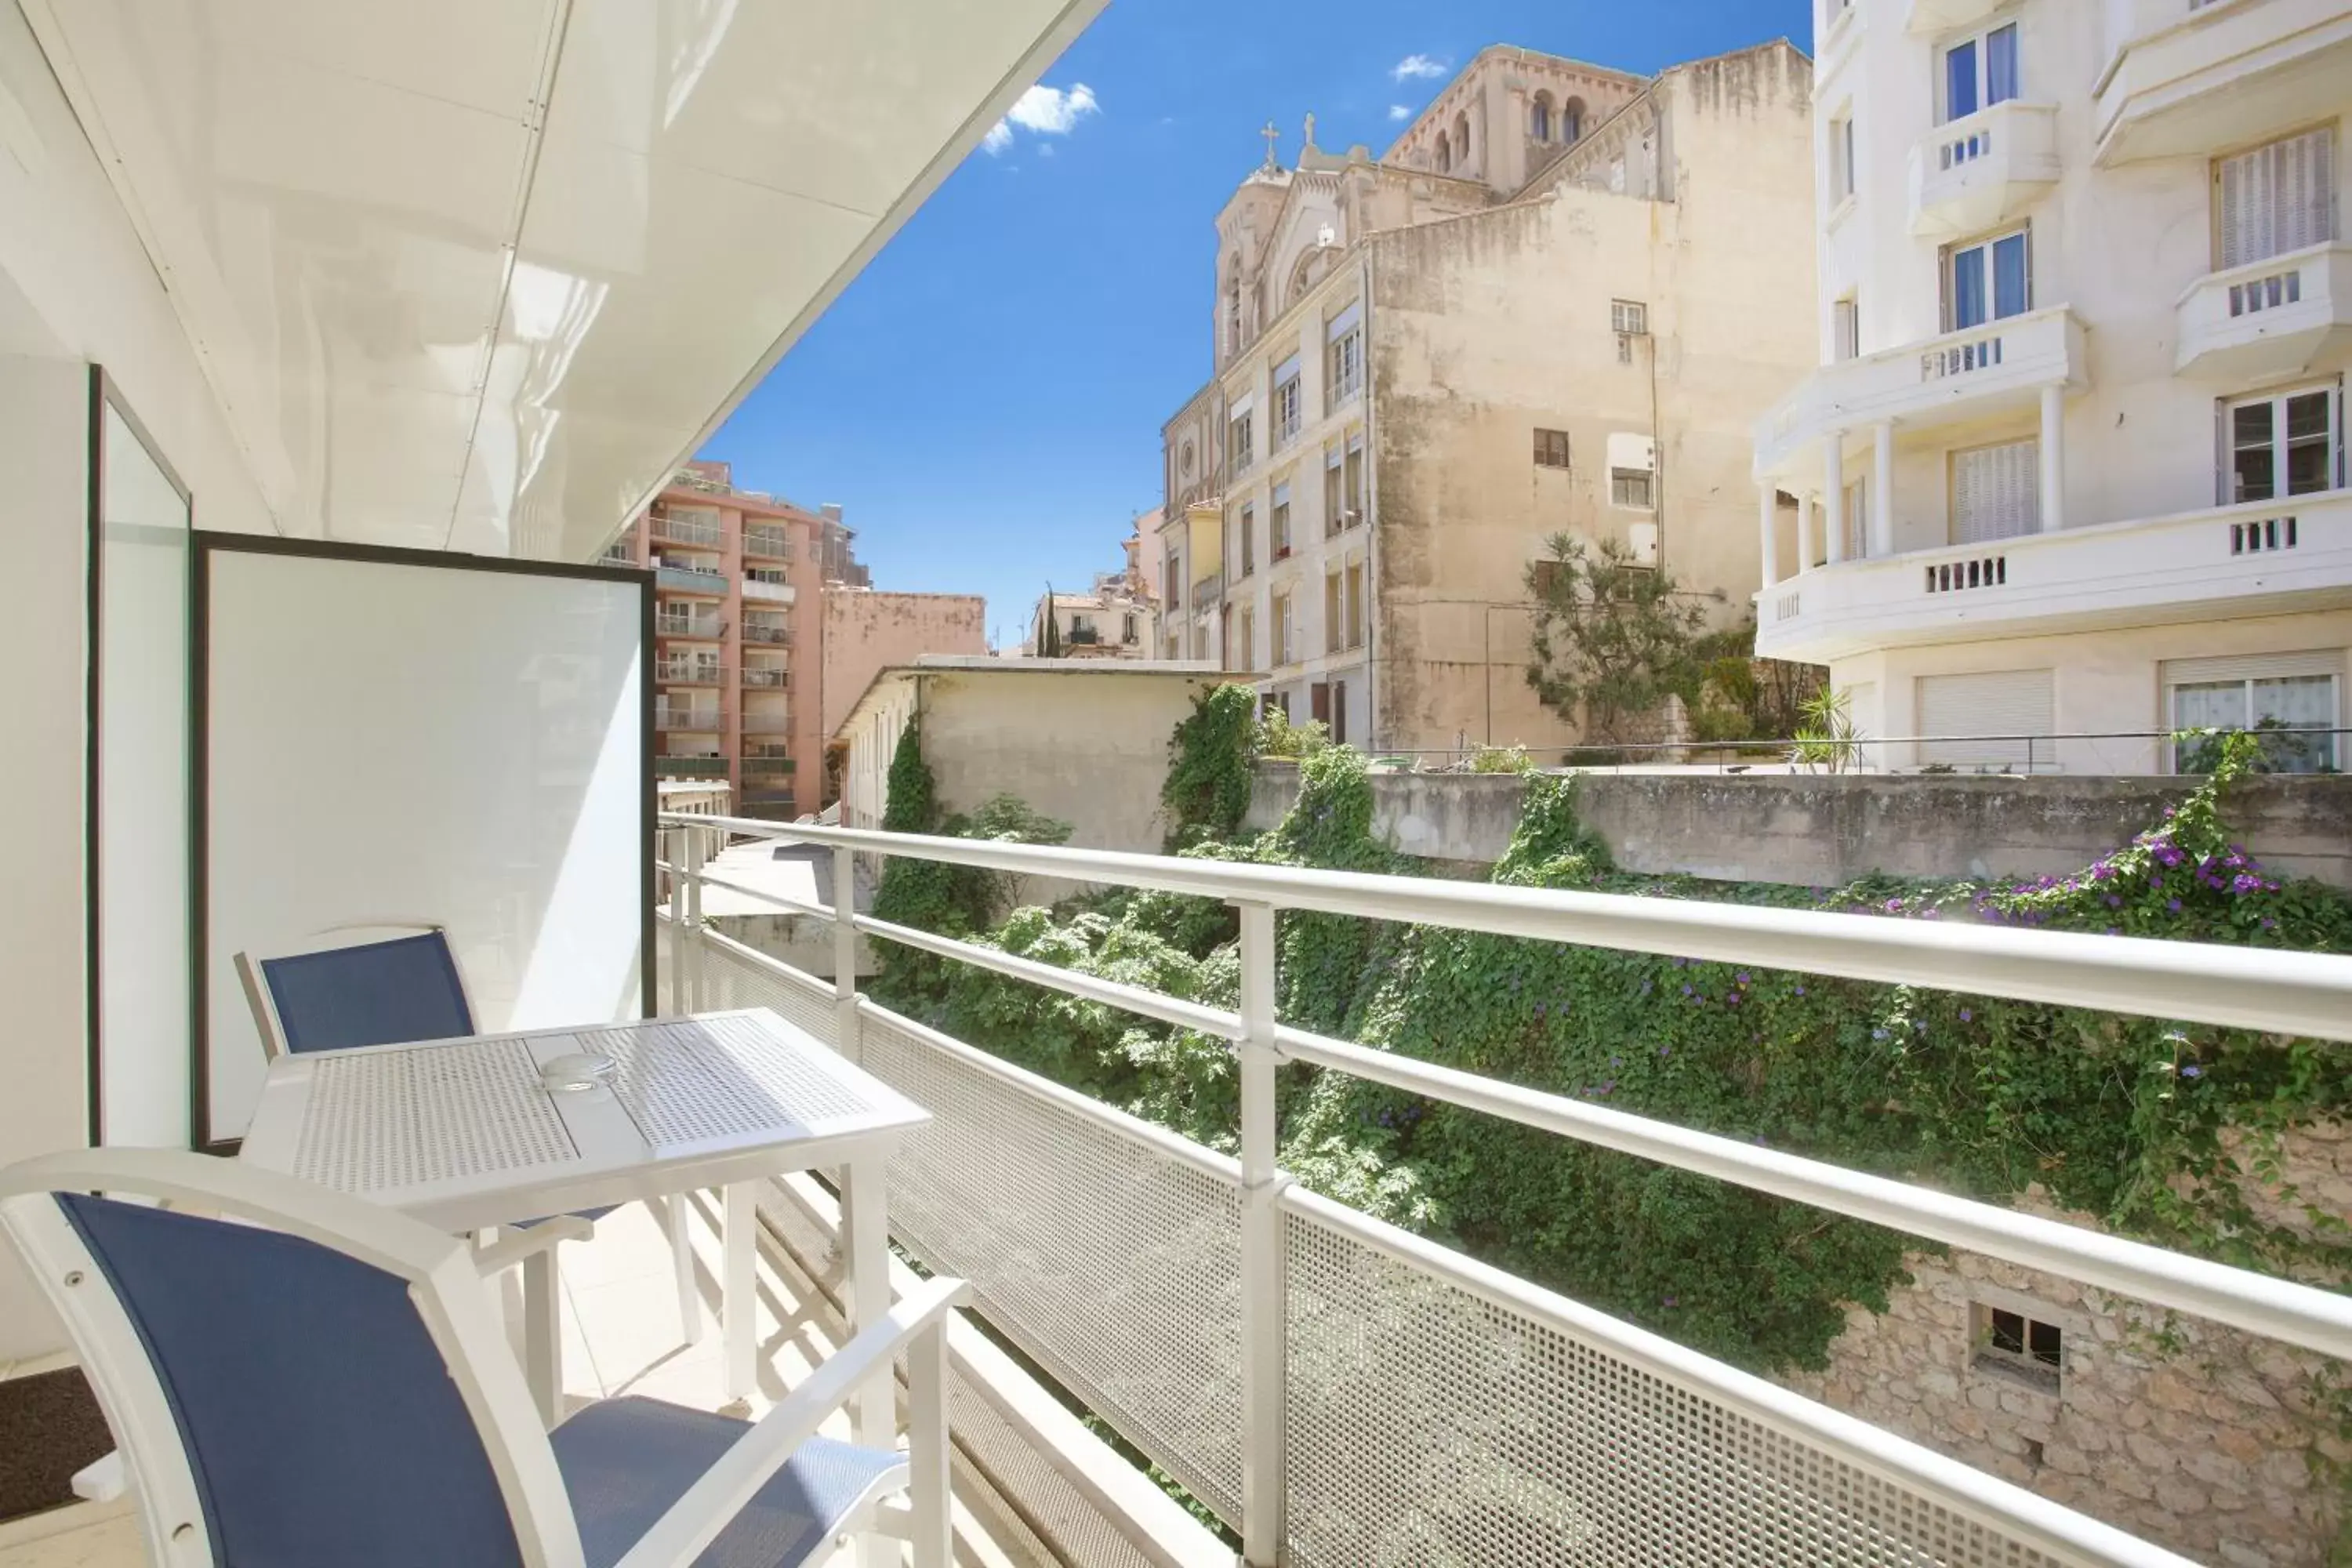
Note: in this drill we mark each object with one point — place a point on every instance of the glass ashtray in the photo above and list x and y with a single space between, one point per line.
575 1074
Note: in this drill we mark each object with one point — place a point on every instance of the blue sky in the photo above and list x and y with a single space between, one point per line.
985 400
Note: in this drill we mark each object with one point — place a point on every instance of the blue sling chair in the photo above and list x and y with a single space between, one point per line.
310 1378
345 992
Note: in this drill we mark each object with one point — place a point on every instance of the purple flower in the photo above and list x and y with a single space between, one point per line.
2173 905
1741 978
1689 990
1800 991
2242 883
1966 1016
1931 914
1877 1034
1669 1301
2155 880
2193 1070
1894 906
2270 925
1539 1012
1609 1088
1615 1062
1665 1050
2102 871
2114 902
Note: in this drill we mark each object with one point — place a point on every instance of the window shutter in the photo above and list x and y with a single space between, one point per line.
1996 492
1319 701
2003 702
2278 198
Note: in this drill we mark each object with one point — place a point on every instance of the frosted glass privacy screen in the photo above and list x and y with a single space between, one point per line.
394 738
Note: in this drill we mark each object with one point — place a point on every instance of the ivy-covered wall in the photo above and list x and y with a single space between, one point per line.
2147 1127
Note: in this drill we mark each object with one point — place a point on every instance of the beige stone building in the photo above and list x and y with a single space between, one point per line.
1557 303
1117 619
1085 741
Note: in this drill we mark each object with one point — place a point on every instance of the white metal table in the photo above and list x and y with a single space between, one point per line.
465 1134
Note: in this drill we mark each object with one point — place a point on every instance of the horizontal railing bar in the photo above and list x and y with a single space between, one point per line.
2265 989
1209 1161
2013 1511
2275 1309
1092 988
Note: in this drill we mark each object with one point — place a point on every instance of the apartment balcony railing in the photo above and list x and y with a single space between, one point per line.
764 675
696 531
1208 590
689 672
2266 319
691 767
1341 1391
698 721
775 544
2192 77
771 765
620 552
2261 557
767 633
1982 371
1972 174
774 723
706 628
771 593
689 580
1343 391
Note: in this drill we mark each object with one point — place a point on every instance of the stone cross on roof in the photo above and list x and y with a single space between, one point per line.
1272 135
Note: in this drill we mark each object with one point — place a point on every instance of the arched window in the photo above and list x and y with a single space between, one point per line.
1461 139
1444 153
1571 119
1540 121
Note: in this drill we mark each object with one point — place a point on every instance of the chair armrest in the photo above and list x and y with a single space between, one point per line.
695 1519
517 1245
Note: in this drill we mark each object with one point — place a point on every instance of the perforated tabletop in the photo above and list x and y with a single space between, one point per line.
464 1133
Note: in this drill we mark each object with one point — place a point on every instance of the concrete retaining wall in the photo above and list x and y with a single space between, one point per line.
1811 830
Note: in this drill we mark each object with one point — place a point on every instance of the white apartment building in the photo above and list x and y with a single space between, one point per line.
2074 460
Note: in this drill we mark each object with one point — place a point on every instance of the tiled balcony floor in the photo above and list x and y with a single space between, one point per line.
620 1335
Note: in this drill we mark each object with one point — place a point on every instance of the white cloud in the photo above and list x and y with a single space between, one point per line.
1417 67
1047 111
1400 112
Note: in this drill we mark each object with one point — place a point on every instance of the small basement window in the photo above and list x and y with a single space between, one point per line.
2020 1347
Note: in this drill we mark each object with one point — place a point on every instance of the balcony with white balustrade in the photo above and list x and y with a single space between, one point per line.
2193 77
1970 174
2268 319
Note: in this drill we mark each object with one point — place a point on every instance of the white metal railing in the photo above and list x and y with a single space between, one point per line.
2267 990
684 531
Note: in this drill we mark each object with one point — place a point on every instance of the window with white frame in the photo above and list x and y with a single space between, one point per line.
1630 487
2274 198
1857 520
2284 444
1979 71
1278 626
1285 403
1846 323
2292 702
1343 370
1840 158
1334 505
1630 318
1988 281
1241 444
1351 490
1278 524
1996 492
1247 528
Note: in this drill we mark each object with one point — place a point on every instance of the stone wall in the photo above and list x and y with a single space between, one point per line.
1816 830
2200 1438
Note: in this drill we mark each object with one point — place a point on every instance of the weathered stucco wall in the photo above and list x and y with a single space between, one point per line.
1810 830
1490 327
866 632
2192 1435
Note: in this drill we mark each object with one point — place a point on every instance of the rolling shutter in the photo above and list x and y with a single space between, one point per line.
2003 702
2278 198
1996 492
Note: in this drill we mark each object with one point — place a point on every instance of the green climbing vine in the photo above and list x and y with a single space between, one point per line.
2146 1123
